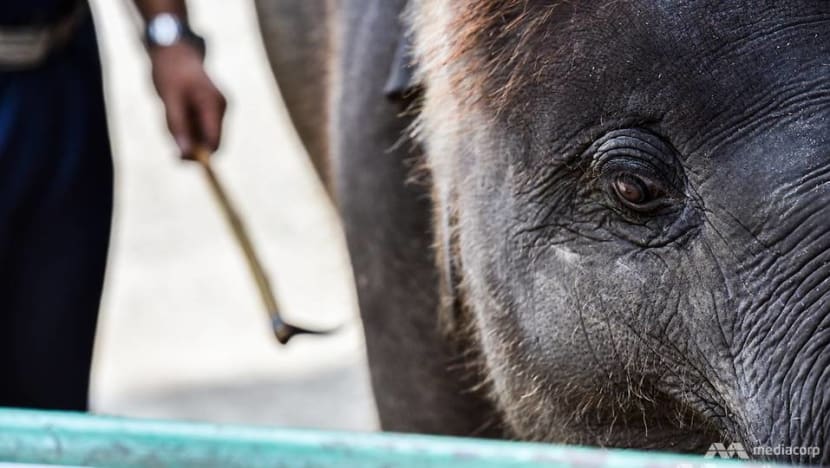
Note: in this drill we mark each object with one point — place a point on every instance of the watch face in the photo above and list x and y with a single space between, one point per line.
165 29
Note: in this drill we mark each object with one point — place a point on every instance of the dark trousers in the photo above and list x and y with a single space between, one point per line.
55 210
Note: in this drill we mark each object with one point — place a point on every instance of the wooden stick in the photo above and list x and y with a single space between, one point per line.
282 331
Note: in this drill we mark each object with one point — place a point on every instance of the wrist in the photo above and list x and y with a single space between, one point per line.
178 56
166 31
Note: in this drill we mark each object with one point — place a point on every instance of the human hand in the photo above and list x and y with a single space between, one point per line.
193 105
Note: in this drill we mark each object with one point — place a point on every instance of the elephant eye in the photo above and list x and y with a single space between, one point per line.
637 171
637 193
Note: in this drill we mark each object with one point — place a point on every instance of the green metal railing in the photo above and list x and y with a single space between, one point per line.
60 438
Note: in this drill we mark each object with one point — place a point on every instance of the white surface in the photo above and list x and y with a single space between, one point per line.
182 333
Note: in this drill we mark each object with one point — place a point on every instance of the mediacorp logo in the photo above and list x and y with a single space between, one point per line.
734 450
737 450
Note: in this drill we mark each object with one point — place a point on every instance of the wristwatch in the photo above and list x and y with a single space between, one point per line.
166 29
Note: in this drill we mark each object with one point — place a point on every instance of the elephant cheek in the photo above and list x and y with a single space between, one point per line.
786 391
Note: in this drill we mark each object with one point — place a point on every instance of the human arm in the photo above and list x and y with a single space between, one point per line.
193 105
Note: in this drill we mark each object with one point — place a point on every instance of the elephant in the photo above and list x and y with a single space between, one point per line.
593 222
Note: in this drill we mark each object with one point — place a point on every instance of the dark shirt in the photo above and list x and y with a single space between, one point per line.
16 13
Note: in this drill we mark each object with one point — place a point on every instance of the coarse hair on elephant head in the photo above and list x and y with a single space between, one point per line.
632 214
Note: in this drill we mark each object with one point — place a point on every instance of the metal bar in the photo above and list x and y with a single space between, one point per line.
61 438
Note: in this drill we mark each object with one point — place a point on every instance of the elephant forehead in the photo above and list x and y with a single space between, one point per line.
582 62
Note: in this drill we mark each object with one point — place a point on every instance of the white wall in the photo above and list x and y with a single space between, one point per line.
182 333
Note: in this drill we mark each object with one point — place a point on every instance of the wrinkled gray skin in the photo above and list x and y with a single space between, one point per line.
697 315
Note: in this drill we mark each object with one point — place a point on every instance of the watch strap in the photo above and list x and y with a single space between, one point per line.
167 29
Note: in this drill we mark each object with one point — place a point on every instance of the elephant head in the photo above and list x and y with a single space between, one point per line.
633 214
